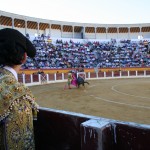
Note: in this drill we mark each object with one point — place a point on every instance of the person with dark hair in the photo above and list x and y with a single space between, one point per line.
17 103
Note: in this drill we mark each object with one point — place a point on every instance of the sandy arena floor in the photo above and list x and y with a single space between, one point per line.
120 99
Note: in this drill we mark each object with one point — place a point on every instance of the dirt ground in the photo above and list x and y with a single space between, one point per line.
119 99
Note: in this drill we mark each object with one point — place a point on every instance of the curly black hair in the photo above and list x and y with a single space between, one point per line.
11 53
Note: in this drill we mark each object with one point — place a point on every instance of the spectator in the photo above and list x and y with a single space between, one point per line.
69 54
17 107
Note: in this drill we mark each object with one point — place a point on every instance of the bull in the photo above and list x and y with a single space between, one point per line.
81 81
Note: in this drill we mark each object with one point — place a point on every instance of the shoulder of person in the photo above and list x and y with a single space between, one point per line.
11 93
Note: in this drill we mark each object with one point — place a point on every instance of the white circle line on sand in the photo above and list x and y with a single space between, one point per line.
92 86
113 88
110 101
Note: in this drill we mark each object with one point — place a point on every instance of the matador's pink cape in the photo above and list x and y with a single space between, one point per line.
74 80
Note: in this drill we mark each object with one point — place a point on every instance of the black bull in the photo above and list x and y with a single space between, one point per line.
80 81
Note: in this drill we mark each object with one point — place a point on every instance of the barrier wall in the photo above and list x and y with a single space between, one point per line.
62 130
44 78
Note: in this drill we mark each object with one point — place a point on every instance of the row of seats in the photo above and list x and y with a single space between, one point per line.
70 54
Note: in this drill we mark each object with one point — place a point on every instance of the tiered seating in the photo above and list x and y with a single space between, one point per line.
69 54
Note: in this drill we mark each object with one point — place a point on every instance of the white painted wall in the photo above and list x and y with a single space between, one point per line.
41 32
22 30
67 34
47 32
101 35
1 27
77 35
146 34
89 35
56 33
123 36
134 35
112 36
32 32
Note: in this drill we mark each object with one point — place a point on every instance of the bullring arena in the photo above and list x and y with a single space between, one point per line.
120 99
112 112
115 101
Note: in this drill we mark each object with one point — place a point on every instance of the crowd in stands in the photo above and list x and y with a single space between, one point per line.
70 54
